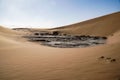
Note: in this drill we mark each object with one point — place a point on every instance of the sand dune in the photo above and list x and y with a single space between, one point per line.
23 60
101 26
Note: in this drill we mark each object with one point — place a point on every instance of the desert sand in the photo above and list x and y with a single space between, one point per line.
23 60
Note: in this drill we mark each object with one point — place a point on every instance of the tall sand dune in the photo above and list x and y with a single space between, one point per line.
101 26
23 60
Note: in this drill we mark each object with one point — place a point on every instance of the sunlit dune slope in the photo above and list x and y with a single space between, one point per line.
101 26
6 30
9 37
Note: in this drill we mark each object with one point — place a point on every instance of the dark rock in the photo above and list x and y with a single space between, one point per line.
56 32
36 34
56 39
104 37
113 60
102 57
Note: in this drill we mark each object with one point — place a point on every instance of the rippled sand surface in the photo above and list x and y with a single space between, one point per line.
44 63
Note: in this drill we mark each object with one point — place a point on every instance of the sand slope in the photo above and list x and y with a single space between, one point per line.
22 60
101 26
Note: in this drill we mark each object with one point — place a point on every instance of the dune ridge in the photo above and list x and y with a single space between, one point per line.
101 26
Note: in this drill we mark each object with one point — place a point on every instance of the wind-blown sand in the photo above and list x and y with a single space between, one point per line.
23 60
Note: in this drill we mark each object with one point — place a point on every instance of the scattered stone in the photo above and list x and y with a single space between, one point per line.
36 34
55 39
108 59
102 57
56 33
113 60
104 37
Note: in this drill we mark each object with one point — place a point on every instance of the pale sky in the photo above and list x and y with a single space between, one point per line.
52 13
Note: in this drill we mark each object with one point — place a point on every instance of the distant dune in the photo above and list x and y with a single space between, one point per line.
23 60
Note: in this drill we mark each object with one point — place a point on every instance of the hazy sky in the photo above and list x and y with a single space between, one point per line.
53 13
